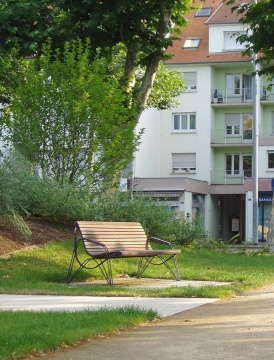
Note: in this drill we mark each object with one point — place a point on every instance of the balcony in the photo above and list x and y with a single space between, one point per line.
222 177
240 96
220 136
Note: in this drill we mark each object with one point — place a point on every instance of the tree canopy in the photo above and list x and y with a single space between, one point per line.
66 117
258 17
59 105
73 118
145 27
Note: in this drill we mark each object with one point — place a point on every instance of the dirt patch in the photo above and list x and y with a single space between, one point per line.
42 230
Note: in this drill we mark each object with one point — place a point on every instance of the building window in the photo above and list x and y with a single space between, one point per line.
232 164
230 40
191 43
239 85
233 84
232 122
184 162
184 122
239 164
247 165
271 160
205 11
190 79
239 125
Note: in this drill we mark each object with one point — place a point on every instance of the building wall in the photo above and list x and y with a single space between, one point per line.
216 37
160 141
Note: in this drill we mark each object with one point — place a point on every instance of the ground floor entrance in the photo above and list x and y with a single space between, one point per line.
233 216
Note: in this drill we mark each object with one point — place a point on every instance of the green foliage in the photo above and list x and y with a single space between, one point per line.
168 85
258 18
145 28
67 117
10 67
156 218
24 193
27 24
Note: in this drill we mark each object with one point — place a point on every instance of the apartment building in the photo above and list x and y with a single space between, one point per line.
197 157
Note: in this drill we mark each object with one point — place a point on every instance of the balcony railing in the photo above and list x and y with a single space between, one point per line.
221 177
219 136
240 95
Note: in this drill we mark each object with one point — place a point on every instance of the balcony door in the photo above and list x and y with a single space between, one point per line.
247 88
239 86
247 166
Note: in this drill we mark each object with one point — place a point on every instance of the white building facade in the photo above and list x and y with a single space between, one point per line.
197 158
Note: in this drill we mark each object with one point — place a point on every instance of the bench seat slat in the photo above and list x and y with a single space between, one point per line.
136 253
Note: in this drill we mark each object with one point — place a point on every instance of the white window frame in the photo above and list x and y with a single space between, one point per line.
237 123
233 124
203 12
191 43
183 122
190 79
234 171
231 88
183 162
230 41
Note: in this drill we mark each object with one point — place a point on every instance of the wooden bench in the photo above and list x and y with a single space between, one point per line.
104 241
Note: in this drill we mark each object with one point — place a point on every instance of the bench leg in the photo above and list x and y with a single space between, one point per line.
69 276
107 271
145 262
142 267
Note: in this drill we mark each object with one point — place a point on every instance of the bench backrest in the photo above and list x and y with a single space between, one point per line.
116 236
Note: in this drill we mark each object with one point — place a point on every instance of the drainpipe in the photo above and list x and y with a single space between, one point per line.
256 108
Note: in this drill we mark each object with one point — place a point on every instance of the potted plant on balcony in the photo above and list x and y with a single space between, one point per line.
220 98
215 96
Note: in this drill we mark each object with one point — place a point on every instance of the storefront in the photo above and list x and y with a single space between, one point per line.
264 214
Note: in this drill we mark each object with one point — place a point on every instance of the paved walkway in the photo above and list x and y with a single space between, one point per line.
164 306
237 328
241 328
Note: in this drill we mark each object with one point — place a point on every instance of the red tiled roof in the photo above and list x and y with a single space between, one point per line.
198 28
225 15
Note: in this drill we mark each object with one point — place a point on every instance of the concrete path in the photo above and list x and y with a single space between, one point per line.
164 306
241 328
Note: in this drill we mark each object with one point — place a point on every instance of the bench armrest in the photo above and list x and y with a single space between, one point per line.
160 241
97 243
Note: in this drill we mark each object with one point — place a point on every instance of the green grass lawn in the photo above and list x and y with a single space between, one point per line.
44 270
44 331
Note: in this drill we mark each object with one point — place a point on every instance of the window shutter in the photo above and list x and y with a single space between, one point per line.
232 119
184 161
190 79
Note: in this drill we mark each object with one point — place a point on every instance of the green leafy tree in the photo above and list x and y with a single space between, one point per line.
66 117
259 36
73 118
145 28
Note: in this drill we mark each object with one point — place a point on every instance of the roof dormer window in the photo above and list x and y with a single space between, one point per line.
191 43
231 42
203 12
